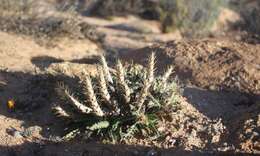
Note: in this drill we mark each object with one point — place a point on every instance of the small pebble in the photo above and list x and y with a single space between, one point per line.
152 152
212 87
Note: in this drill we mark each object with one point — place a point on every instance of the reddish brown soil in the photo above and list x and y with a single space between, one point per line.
210 63
223 68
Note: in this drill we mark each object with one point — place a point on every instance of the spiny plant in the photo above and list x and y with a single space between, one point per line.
116 105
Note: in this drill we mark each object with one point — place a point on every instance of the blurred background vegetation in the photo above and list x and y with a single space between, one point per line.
191 17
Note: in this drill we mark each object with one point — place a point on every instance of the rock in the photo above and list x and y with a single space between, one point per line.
13 132
152 152
212 87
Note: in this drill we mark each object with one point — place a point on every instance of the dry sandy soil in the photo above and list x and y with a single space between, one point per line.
220 77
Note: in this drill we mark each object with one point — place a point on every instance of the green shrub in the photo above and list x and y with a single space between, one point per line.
192 17
129 102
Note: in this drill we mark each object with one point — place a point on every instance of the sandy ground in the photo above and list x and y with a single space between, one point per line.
220 79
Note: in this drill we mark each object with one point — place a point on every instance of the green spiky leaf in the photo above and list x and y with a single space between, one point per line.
99 125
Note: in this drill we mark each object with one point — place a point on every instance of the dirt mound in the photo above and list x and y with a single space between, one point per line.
244 130
210 63
190 129
249 135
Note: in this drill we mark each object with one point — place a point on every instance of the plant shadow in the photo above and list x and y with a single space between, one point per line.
218 104
95 149
43 62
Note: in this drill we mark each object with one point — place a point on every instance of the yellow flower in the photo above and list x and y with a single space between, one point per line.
11 104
